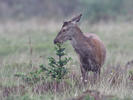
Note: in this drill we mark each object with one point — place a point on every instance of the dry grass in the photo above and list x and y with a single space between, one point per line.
15 57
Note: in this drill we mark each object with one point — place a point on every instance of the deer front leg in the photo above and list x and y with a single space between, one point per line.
84 74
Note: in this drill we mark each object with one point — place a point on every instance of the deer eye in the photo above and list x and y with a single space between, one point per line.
64 30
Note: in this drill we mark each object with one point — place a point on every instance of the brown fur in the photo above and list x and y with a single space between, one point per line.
91 52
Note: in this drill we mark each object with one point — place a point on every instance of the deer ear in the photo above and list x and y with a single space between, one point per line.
76 19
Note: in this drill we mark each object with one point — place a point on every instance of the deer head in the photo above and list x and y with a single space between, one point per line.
67 30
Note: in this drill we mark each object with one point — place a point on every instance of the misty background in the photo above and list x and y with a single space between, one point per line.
93 10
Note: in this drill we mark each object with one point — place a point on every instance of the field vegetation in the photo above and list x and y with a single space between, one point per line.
18 38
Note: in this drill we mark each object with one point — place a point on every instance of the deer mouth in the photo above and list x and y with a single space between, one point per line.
56 41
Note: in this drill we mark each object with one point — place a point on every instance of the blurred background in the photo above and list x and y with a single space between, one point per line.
93 10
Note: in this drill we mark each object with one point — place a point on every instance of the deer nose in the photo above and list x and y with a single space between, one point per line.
55 41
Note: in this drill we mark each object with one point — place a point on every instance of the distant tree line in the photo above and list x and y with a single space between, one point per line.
93 10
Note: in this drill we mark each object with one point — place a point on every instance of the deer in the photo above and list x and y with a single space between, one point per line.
89 47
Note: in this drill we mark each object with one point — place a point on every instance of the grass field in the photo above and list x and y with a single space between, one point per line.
15 57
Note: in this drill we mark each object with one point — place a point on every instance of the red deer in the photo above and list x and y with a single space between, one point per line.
89 47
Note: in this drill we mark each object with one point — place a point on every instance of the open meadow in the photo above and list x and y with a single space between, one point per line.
24 45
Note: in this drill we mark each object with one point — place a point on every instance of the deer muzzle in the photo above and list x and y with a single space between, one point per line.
55 41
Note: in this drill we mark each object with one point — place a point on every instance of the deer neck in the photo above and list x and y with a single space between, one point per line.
77 38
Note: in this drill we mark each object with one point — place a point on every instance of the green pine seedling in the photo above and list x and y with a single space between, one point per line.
56 69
